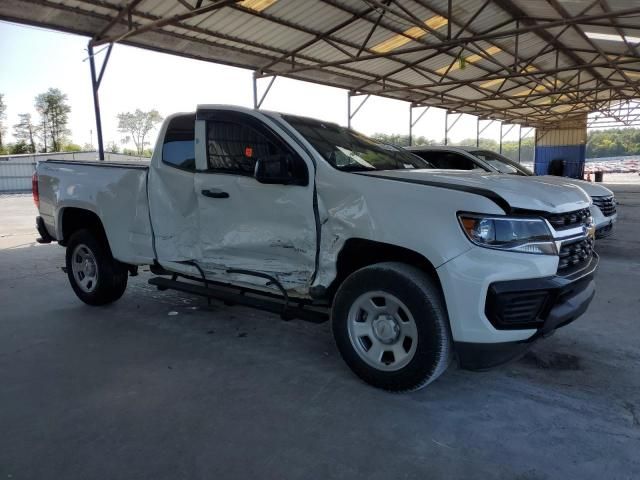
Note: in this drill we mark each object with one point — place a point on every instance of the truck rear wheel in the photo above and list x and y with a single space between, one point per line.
95 276
391 327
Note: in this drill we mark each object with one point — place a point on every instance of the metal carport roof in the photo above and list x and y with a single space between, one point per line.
529 62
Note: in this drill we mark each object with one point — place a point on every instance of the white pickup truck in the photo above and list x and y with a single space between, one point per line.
312 220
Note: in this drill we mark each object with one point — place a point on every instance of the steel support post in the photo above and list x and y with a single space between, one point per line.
351 114
480 130
412 122
95 86
257 102
519 142
446 127
502 135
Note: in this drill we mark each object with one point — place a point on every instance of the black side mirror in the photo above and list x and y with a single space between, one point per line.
276 169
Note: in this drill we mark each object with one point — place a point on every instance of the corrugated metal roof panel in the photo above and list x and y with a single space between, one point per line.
411 62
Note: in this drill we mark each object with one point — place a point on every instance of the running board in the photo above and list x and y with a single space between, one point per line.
230 295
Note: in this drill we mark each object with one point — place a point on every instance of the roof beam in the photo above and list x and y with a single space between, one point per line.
465 40
562 11
165 21
123 11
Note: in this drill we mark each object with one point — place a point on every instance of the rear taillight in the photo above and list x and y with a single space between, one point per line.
34 189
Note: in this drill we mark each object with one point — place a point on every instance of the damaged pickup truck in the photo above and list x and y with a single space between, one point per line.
412 265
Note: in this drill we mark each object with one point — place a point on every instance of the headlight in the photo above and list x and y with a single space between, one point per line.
516 234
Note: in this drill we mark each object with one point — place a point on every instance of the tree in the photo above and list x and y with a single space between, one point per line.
18 148
613 142
3 115
138 125
113 148
25 131
54 111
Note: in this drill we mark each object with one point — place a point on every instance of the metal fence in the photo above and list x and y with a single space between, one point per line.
16 170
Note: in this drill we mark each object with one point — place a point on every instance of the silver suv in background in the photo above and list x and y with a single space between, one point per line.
603 209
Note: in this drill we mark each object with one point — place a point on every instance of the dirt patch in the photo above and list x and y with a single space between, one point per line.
551 361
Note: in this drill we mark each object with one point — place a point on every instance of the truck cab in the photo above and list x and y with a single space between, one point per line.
412 265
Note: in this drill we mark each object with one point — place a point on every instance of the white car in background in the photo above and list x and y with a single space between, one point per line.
603 209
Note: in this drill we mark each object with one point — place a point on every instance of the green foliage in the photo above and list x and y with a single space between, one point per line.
18 148
616 142
129 151
54 113
137 126
71 147
402 140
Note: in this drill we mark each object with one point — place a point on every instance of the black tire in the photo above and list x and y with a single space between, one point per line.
111 275
422 297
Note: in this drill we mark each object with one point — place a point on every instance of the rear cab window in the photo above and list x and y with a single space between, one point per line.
178 149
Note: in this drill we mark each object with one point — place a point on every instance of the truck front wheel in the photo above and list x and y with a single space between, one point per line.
391 327
95 276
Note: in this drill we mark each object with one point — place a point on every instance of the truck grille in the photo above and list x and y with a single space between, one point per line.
607 205
562 221
575 254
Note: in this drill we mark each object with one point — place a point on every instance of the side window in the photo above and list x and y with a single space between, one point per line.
435 158
456 161
432 157
178 148
234 148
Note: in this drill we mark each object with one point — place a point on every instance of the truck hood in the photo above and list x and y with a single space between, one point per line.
529 193
592 189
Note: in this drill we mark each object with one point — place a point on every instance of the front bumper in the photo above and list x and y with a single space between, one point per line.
558 302
604 224
605 227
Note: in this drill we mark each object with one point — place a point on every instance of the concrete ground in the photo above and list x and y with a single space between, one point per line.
161 386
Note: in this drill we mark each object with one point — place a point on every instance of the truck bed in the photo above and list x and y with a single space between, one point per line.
115 191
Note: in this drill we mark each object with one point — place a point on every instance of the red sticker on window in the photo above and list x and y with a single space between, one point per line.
248 152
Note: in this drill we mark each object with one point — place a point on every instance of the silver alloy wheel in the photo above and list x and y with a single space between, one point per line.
85 268
382 331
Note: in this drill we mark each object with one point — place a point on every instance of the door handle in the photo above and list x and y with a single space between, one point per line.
215 193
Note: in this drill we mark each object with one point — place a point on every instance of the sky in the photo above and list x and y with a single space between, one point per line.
35 59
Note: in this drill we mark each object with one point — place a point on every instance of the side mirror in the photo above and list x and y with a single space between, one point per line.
275 169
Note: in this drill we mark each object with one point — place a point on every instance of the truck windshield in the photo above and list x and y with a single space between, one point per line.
348 150
501 163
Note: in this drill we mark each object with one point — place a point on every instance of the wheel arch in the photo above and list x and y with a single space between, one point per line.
72 219
357 253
